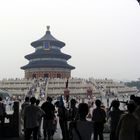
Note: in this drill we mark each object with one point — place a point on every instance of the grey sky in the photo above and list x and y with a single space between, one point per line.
102 36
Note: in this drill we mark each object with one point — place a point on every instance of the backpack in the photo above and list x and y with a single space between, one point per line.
73 125
99 115
72 114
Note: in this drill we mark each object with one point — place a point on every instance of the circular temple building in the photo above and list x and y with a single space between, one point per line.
47 60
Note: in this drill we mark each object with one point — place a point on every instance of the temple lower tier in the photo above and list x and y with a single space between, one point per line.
51 73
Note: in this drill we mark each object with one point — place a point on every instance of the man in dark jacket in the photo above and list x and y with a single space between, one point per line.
114 117
48 122
98 118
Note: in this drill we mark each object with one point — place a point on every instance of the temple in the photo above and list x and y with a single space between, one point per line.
47 60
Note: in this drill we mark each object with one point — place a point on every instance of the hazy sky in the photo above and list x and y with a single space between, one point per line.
102 36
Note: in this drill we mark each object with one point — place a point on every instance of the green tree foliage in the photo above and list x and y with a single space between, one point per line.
133 84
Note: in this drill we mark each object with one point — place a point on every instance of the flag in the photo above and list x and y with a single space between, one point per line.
61 103
67 83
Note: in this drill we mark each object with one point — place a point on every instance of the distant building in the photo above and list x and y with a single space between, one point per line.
47 60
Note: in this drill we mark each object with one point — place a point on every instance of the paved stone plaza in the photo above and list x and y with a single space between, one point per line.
106 137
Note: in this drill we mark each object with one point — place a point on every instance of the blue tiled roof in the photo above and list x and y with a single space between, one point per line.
47 54
47 64
49 38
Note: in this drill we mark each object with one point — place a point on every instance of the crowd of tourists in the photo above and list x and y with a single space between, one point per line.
76 120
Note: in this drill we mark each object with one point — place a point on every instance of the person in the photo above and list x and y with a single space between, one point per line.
128 124
3 114
48 120
114 117
32 115
39 130
73 111
62 114
98 117
25 103
23 106
2 111
81 129
132 97
137 113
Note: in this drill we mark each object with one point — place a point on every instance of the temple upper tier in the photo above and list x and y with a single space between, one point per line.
47 60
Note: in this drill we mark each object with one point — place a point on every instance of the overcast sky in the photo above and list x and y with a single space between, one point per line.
102 36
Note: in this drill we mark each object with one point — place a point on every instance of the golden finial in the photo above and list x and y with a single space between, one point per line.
48 28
